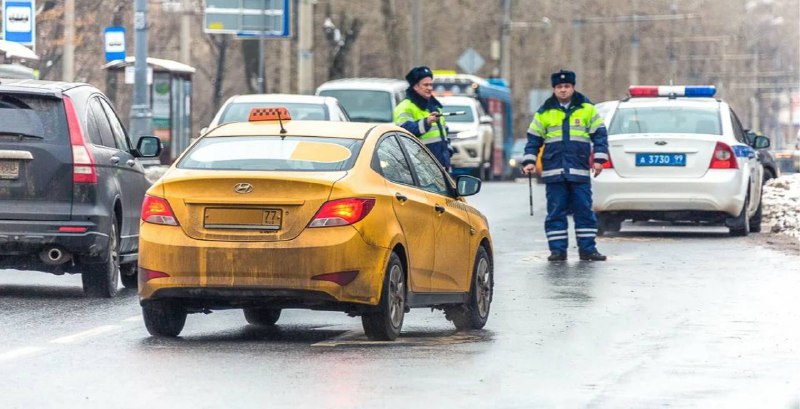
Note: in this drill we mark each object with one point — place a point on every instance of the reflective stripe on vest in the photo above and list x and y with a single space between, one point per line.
408 111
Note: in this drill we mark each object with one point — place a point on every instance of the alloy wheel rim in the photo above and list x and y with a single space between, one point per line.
114 249
484 287
396 295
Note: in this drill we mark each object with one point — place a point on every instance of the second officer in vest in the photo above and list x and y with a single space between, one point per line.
567 127
420 114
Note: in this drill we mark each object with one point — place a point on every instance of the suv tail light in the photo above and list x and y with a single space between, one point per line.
723 158
157 211
342 212
83 167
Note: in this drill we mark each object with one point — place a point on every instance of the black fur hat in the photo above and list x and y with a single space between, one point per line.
418 73
562 77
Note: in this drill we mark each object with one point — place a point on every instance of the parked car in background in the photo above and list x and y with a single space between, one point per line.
471 135
304 107
263 216
678 154
764 155
366 99
71 185
517 152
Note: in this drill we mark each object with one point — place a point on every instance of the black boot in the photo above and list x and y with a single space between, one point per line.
596 256
555 256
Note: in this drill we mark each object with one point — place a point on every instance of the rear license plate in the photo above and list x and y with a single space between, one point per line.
243 218
9 169
660 159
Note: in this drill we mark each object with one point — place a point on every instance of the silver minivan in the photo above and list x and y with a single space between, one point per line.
366 99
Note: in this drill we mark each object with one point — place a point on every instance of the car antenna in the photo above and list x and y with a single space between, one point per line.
283 130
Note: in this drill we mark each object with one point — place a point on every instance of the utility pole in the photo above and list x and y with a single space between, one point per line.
69 41
577 40
261 84
633 67
505 43
416 33
186 21
141 114
305 40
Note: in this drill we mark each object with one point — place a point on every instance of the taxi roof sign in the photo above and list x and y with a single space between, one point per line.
270 114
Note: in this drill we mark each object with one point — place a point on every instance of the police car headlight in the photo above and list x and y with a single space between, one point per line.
467 135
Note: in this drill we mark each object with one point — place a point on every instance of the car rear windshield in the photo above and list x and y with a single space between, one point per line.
32 116
467 117
697 120
240 111
364 105
272 153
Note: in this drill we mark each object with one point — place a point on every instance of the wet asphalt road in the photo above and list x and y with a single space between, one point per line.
679 316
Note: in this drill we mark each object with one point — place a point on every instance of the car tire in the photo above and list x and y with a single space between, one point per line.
768 174
265 317
164 318
475 313
100 280
129 276
608 224
755 221
740 225
385 322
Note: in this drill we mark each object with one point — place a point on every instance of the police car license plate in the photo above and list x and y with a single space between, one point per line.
9 169
660 159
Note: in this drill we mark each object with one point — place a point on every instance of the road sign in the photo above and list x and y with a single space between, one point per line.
19 21
470 61
247 18
114 43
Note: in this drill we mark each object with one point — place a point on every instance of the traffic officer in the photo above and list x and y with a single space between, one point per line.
420 114
566 126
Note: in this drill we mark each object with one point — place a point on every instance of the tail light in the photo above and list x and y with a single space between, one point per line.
723 158
157 211
342 212
608 164
151 274
342 278
83 167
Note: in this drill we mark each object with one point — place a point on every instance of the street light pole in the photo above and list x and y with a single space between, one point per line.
505 44
141 114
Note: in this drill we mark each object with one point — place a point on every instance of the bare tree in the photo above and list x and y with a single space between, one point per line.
341 41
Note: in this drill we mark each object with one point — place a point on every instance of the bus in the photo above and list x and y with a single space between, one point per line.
495 98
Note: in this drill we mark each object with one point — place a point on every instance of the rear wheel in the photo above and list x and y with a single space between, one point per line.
740 225
128 274
100 280
164 318
384 323
608 224
262 316
475 313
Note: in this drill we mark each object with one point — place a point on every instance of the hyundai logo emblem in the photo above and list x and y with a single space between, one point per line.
243 188
661 143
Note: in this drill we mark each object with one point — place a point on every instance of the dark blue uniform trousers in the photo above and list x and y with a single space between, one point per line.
441 153
561 197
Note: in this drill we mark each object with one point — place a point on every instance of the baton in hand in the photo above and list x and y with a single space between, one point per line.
530 190
453 113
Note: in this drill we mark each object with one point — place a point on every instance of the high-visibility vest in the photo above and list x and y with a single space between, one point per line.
409 111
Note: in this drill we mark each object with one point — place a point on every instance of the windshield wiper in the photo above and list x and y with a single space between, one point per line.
22 135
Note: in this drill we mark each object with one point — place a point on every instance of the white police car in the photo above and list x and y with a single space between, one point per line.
678 154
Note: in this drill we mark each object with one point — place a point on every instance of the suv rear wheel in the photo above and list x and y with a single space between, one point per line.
128 274
100 280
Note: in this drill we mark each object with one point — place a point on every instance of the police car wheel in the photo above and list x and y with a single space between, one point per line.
755 221
740 225
475 313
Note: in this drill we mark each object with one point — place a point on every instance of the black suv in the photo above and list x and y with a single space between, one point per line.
71 187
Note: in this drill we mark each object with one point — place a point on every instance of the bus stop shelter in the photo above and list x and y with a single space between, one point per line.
170 100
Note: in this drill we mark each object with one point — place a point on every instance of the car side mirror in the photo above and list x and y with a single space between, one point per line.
486 119
148 146
468 185
761 142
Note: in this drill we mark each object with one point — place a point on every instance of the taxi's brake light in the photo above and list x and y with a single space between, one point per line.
157 210
342 212
723 158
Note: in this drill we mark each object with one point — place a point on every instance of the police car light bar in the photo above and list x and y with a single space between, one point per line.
672 90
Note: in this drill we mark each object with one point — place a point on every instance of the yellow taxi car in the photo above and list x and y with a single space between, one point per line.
273 213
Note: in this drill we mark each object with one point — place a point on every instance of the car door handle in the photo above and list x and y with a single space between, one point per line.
131 163
439 208
401 197
114 160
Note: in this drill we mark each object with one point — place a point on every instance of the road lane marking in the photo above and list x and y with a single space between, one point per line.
135 318
19 352
85 334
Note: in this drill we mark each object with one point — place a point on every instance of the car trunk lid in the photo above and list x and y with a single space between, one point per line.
661 155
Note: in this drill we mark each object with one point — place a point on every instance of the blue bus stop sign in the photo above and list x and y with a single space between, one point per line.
19 21
114 43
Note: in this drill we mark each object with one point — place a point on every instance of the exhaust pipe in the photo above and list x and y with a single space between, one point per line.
54 256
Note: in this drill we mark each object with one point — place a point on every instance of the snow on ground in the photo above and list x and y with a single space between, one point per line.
781 207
